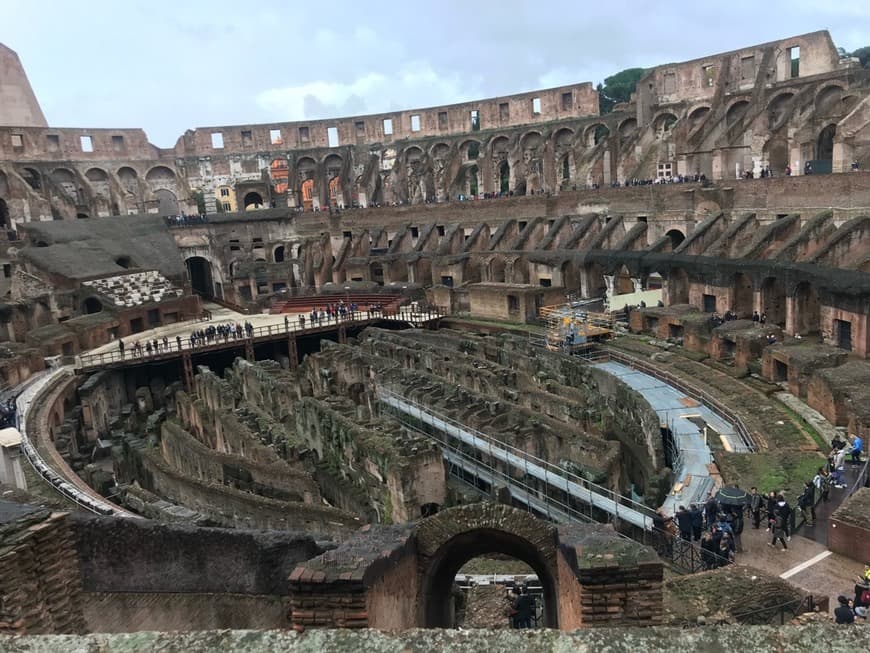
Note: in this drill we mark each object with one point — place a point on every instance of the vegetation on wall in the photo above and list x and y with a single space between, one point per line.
617 88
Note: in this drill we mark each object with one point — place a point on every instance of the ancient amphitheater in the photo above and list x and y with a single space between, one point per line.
371 372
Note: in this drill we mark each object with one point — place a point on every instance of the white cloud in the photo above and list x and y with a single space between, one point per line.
415 84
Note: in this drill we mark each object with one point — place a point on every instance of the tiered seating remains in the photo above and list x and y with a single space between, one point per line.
389 303
135 288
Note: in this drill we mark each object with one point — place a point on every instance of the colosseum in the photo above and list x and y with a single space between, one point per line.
515 362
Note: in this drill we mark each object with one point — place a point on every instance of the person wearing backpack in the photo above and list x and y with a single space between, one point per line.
807 503
861 603
822 481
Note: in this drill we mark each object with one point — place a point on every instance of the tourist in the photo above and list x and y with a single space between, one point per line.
178 341
711 509
697 521
684 522
843 613
779 526
807 503
708 551
856 448
524 606
755 318
726 550
755 502
121 347
822 482
839 468
861 602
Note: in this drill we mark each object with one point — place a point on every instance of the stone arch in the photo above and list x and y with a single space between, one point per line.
778 109
565 167
451 538
773 300
698 115
201 274
664 123
742 298
160 177
129 179
497 269
252 201
736 111
500 147
66 180
678 286
92 305
468 180
595 283
469 150
828 100
167 202
531 140
5 219
622 284
413 153
440 150
676 236
595 134
279 173
306 190
627 128
504 177
806 309
563 138
825 143
97 175
32 177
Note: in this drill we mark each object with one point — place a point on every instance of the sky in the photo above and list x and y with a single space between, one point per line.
171 65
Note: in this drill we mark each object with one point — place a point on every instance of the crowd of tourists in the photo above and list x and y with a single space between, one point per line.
198 338
185 220
717 526
859 605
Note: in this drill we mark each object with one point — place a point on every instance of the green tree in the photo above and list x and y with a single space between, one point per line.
618 88
863 55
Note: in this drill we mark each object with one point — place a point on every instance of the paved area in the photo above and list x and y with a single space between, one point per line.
827 574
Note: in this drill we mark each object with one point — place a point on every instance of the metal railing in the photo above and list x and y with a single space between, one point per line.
545 477
594 354
299 327
470 468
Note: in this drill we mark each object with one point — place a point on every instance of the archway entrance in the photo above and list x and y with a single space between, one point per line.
773 301
678 287
806 309
201 281
167 203
253 201
504 177
91 305
4 215
825 149
457 551
742 302
308 194
677 237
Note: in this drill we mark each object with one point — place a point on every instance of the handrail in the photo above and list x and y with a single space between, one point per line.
31 392
694 392
295 327
548 467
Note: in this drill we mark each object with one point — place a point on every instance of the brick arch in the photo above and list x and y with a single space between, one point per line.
449 539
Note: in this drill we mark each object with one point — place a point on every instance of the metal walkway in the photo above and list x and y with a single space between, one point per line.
545 488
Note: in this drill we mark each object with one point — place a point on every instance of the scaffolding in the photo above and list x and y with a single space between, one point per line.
571 327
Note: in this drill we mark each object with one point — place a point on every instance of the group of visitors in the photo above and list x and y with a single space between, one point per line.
858 606
198 338
837 457
673 179
716 527
185 220
8 410
521 607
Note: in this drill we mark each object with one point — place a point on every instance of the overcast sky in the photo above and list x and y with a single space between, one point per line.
171 65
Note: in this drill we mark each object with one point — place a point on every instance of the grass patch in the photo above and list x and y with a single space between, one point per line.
808 428
785 471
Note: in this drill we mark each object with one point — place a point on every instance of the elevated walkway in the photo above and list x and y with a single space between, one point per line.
544 487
